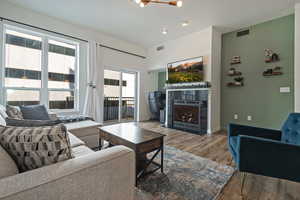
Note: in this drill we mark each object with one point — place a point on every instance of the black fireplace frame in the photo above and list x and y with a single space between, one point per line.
189 97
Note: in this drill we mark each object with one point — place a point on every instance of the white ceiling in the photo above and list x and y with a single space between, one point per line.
125 20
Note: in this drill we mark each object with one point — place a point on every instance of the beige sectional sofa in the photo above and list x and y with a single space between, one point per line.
104 175
87 131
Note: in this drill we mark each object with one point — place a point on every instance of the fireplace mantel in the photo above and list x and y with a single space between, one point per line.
189 86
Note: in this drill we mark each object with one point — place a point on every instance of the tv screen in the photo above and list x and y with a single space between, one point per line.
187 71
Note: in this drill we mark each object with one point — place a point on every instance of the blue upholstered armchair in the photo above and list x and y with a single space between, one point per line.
267 152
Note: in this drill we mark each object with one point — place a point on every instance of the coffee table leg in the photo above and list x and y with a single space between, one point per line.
162 156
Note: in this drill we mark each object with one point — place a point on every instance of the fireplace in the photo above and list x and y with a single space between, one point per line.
187 110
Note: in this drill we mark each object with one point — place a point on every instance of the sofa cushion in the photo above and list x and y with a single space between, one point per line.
75 141
31 123
35 112
291 129
8 166
81 151
14 112
3 111
2 121
35 147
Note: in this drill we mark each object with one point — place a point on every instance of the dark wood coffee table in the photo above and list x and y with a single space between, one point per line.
140 140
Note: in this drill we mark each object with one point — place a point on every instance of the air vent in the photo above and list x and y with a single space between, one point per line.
243 33
160 48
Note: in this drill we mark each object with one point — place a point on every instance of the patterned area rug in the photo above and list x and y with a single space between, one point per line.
186 177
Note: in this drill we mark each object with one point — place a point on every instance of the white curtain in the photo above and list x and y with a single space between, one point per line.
93 106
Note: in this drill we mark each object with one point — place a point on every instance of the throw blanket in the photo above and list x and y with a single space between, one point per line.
73 118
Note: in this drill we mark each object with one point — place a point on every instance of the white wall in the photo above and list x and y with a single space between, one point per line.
189 46
111 59
205 43
297 57
216 80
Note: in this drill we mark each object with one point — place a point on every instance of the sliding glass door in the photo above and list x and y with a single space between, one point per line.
119 96
128 96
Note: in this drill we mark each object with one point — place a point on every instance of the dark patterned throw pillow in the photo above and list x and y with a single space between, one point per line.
36 147
14 112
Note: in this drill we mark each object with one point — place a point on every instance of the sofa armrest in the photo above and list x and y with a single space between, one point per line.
53 116
269 158
235 130
107 174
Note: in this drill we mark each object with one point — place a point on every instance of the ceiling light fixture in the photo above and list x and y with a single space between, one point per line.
143 3
164 31
185 23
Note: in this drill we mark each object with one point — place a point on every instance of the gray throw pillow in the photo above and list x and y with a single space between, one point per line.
14 112
35 112
36 147
30 123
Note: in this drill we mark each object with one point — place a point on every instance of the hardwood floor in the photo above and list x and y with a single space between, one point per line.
214 147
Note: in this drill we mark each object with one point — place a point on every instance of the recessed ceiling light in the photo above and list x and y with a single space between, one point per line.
185 23
179 4
164 31
142 5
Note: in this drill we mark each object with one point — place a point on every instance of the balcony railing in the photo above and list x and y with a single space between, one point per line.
111 108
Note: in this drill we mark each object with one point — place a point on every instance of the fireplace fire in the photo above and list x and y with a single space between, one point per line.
187 113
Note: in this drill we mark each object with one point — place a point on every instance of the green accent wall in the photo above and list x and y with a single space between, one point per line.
161 80
260 96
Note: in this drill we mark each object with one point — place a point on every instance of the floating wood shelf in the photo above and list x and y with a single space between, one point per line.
235 74
235 63
272 61
234 85
273 74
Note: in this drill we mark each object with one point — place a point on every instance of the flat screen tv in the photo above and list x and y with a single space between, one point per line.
186 71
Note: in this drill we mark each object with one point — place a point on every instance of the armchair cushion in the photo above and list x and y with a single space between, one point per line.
235 130
291 129
269 158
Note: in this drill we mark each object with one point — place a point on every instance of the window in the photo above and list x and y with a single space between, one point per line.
39 69
61 74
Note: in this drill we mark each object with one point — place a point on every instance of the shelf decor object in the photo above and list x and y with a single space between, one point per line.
273 72
238 82
270 56
233 72
235 60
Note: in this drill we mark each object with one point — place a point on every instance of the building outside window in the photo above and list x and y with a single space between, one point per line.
39 69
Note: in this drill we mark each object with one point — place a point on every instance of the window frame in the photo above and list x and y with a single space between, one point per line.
44 89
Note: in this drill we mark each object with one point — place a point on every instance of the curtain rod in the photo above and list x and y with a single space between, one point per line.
83 40
126 52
